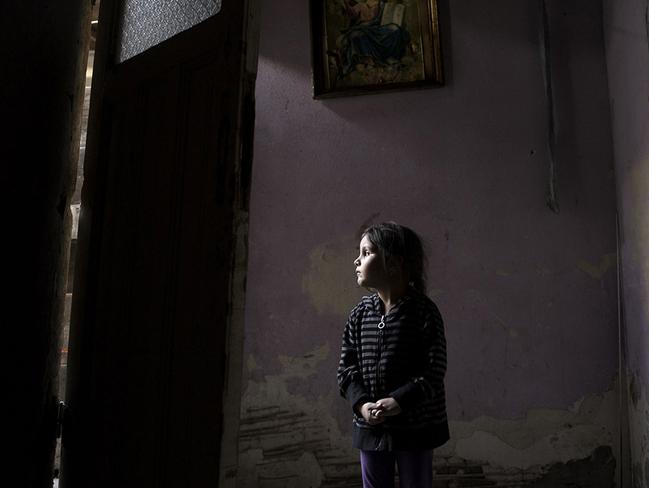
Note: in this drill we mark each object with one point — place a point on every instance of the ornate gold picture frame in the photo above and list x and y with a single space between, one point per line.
365 46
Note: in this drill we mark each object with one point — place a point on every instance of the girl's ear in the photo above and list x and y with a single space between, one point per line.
394 264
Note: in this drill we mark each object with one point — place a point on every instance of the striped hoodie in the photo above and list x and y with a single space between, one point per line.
401 354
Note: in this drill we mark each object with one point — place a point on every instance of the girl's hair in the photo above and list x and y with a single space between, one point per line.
393 239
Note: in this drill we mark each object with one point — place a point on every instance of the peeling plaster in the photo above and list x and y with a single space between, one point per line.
289 440
597 271
639 432
305 366
329 281
543 436
566 445
595 471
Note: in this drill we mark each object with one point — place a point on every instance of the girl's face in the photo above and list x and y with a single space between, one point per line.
370 266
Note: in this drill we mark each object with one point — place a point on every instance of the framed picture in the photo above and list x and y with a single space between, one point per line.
365 46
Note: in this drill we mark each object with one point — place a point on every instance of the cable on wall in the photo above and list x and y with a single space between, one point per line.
551 198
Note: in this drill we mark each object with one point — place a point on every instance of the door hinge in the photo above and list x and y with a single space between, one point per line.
60 418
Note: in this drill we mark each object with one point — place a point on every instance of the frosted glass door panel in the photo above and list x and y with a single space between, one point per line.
145 23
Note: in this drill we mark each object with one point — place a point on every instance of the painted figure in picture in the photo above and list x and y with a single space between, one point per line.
374 36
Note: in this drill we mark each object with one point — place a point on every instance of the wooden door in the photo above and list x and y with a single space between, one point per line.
165 182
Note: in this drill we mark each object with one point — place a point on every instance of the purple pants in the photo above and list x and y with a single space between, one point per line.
415 468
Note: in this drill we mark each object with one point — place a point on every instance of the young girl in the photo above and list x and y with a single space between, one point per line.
393 362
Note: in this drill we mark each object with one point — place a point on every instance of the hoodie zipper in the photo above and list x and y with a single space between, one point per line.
378 355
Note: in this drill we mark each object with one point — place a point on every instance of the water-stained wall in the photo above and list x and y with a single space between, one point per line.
627 54
528 295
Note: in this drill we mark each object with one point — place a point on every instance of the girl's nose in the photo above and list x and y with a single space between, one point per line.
356 262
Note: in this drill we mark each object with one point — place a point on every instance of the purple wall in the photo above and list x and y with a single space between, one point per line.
528 296
627 58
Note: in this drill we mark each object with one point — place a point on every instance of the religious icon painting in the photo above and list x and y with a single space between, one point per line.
365 46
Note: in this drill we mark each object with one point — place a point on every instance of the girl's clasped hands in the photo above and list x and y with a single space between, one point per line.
376 412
